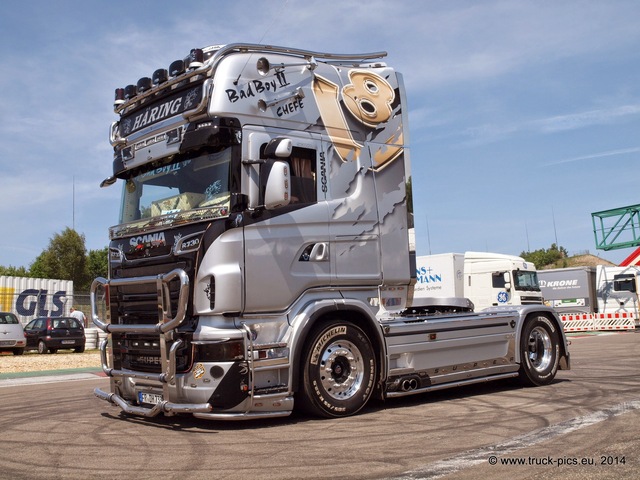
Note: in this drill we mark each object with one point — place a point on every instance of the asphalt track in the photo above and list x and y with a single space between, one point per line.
586 425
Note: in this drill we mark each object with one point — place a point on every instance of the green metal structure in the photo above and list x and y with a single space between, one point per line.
617 228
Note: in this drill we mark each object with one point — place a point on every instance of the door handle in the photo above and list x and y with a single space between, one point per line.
316 252
319 252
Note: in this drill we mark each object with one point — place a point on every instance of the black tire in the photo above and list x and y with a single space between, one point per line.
539 351
79 349
42 347
18 351
339 370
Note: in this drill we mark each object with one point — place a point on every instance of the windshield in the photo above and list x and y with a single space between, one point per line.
187 190
525 280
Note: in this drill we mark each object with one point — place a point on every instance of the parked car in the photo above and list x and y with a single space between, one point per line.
11 334
53 334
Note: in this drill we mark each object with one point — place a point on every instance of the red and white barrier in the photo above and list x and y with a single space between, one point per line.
589 322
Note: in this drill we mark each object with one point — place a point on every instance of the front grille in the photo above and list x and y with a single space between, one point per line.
531 300
141 353
140 304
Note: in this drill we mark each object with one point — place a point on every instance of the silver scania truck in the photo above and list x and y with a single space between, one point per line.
261 260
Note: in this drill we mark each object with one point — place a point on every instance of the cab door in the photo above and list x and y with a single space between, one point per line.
287 249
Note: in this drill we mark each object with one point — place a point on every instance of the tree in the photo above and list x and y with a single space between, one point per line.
98 264
65 259
11 271
543 257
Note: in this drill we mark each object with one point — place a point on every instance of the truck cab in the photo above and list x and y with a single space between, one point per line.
485 279
617 289
493 279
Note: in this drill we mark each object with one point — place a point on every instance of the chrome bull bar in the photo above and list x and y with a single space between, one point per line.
161 407
166 324
165 321
164 377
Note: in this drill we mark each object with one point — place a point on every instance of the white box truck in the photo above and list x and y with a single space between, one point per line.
486 279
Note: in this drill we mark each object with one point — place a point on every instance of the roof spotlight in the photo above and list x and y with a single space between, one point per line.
196 58
144 84
160 76
176 68
129 92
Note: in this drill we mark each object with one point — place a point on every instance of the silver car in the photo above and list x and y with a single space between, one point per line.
12 337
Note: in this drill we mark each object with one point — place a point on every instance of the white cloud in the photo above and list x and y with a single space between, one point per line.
612 153
586 119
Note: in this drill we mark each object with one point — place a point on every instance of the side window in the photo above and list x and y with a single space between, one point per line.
302 163
497 279
303 175
624 283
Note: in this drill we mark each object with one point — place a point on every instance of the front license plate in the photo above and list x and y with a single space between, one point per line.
68 342
150 398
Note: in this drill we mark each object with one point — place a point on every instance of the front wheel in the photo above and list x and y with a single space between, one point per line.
539 351
339 370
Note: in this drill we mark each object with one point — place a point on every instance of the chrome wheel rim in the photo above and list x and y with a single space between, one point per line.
341 370
540 349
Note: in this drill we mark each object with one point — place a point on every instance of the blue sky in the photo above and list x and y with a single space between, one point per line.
524 115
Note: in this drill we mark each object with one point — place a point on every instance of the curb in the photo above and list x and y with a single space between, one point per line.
50 373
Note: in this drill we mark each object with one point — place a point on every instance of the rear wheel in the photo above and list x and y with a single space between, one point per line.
79 349
42 347
539 351
18 351
339 370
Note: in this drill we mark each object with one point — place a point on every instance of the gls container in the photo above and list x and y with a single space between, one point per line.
29 298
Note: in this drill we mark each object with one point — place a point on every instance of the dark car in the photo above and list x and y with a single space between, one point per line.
11 334
53 334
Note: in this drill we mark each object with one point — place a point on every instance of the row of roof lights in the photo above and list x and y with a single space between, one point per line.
160 76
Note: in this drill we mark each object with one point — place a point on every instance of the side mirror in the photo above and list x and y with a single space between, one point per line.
507 281
279 148
277 192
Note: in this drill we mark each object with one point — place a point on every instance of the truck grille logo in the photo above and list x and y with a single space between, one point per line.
149 240
148 360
